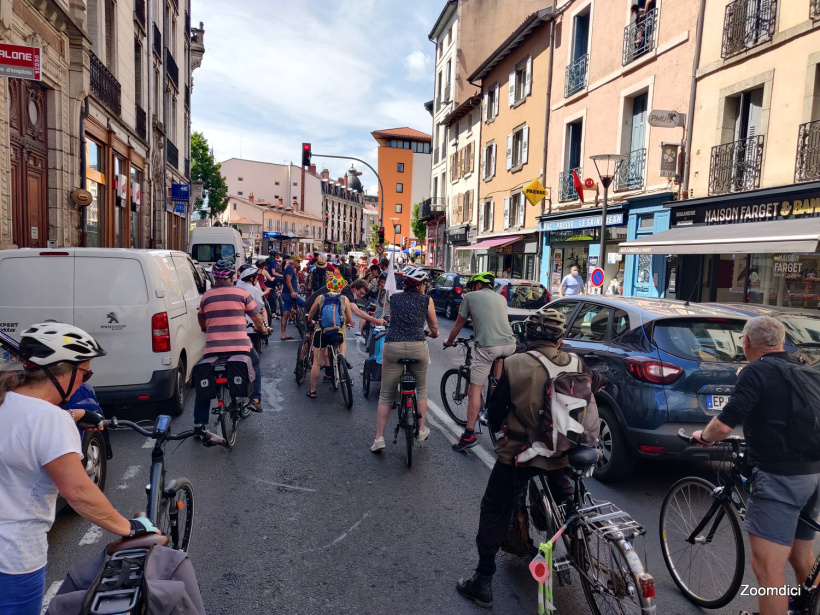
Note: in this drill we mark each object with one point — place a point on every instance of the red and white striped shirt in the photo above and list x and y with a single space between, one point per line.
224 308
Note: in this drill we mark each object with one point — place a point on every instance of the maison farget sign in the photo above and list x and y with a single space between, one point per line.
755 212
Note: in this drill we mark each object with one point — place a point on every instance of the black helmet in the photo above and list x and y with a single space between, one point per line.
222 270
383 276
547 323
259 263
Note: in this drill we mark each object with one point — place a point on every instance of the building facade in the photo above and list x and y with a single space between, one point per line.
343 213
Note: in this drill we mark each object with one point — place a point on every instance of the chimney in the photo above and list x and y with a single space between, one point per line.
325 174
250 198
280 202
312 169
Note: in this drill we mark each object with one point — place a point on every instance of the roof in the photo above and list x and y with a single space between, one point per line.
243 221
446 12
651 308
513 42
756 309
402 133
463 109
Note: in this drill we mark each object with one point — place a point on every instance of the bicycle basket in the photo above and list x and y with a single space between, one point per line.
202 379
240 375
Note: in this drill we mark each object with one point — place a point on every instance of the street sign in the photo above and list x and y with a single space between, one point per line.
666 119
593 260
179 207
536 192
596 278
380 249
20 61
413 244
180 192
669 159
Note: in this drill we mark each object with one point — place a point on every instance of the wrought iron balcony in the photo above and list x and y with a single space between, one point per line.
157 40
807 167
104 86
139 12
735 166
630 171
432 208
171 67
639 36
566 185
576 76
446 97
187 96
172 153
747 24
814 10
141 127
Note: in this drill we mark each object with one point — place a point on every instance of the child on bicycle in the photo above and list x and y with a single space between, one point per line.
334 315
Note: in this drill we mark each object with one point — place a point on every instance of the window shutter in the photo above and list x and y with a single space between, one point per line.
492 215
511 99
109 35
525 139
486 104
521 209
509 151
483 163
472 157
481 216
528 82
506 212
454 208
492 160
460 208
495 101
93 22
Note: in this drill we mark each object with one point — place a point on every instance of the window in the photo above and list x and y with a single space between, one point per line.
400 167
590 324
703 340
520 84
397 229
120 195
488 161
136 198
294 183
517 146
491 103
234 205
240 193
566 307
399 187
276 184
96 186
620 323
138 73
398 208
514 210
485 216
630 171
240 179
110 11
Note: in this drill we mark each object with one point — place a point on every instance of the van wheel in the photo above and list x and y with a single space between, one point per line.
616 462
176 404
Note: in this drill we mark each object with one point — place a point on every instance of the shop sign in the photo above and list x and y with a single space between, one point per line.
577 223
666 119
180 192
179 208
738 214
458 235
669 159
787 266
535 192
20 62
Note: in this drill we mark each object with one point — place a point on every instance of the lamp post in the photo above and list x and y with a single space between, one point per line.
607 166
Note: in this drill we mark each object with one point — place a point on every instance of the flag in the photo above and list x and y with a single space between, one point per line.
579 185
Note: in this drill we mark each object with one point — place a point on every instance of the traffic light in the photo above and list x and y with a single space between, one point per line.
305 154
381 235
406 242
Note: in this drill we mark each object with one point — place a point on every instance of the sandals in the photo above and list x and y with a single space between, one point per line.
312 394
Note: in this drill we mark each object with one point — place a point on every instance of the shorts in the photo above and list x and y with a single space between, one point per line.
483 361
775 505
288 302
323 340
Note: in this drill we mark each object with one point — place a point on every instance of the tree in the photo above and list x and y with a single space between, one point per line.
205 169
418 226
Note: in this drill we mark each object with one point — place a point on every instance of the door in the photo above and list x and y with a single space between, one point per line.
29 187
639 104
579 47
192 288
747 127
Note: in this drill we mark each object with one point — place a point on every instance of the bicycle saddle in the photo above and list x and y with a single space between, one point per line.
408 361
582 457
140 542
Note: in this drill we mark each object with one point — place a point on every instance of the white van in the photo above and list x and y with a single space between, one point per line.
140 305
210 244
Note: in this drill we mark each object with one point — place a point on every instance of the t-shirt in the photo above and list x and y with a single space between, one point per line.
34 433
224 308
488 311
572 285
290 272
255 292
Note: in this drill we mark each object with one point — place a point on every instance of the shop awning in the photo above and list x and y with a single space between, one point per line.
494 242
753 238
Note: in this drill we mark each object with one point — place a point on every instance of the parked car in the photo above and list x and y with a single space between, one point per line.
523 297
432 272
447 291
669 366
139 304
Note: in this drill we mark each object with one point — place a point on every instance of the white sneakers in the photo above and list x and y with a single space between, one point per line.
423 435
378 444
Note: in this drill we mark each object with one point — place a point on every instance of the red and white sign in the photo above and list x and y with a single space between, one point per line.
136 195
20 62
380 249
596 278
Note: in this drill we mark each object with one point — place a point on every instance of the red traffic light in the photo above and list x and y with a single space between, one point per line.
306 153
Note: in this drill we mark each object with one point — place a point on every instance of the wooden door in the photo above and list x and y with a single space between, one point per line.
29 187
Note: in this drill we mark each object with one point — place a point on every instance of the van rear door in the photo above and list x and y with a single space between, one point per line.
111 301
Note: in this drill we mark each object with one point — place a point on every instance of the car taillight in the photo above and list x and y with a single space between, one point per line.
458 290
160 333
653 371
648 449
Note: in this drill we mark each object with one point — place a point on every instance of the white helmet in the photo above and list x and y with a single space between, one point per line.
248 272
54 342
416 278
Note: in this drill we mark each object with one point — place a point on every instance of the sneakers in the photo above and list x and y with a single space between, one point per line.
358 333
254 406
477 588
378 445
465 442
423 435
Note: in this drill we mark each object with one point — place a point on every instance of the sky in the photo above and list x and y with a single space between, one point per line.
277 73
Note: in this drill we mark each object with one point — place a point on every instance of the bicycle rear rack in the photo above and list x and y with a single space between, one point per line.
610 521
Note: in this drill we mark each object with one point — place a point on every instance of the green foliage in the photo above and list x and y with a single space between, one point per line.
418 226
374 238
205 169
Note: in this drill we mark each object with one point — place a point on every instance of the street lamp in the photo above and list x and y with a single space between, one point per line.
607 170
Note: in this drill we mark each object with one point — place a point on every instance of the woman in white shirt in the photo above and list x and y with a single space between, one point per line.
40 457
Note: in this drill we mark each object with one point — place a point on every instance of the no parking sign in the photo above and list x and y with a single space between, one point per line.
596 278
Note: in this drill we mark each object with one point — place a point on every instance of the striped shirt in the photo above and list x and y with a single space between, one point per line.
224 307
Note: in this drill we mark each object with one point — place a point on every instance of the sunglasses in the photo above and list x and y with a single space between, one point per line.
87 373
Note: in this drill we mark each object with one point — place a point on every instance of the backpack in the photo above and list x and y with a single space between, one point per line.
318 279
799 433
569 416
332 316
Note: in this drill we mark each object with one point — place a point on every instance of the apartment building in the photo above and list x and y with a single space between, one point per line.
749 230
343 212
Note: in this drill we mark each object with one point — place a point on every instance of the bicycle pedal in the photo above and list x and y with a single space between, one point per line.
561 566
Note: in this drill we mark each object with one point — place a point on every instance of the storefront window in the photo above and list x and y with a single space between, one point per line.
120 196
135 206
95 173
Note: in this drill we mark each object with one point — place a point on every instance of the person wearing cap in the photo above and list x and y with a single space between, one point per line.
290 293
318 277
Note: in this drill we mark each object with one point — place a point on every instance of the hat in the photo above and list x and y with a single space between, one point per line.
294 257
374 261
336 284
321 263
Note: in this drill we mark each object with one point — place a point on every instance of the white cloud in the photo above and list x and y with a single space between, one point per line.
418 66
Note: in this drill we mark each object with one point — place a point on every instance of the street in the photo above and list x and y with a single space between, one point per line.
302 518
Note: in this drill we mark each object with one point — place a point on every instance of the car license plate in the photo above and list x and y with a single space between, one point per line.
717 402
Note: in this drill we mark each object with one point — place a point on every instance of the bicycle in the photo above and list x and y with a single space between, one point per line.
340 374
304 359
699 519
297 315
408 413
454 385
597 538
229 409
380 332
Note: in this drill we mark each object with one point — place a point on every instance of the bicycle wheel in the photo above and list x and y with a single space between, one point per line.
538 509
454 385
299 314
344 381
227 420
709 569
301 367
177 520
366 378
407 404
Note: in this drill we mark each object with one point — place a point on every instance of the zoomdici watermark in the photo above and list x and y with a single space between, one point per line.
785 590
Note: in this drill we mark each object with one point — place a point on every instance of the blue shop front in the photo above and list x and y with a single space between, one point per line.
646 275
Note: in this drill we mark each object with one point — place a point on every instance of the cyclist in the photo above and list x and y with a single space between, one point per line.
262 279
40 453
517 402
248 275
494 339
290 293
318 275
327 332
406 339
222 312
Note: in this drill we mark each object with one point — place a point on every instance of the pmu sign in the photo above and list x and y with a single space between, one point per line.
20 62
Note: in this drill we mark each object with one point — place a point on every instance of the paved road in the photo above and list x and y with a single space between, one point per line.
301 518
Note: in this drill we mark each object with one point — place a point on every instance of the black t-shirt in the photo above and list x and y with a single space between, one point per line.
761 395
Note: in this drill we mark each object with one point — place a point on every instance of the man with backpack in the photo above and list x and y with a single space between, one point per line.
318 276
334 315
777 400
536 436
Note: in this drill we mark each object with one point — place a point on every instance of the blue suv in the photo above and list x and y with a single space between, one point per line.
669 365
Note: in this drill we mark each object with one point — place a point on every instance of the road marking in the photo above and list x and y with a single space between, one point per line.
50 593
273 484
456 430
130 473
92 536
272 394
149 443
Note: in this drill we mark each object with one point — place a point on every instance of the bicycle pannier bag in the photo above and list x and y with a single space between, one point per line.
569 416
799 432
331 319
240 375
202 379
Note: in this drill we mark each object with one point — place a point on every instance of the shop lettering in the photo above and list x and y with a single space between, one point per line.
745 213
783 269
26 56
797 208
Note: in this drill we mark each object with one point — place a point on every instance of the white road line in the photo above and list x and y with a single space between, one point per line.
50 593
92 536
149 443
456 430
130 473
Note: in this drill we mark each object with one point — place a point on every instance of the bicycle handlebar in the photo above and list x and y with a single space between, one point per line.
210 439
727 440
